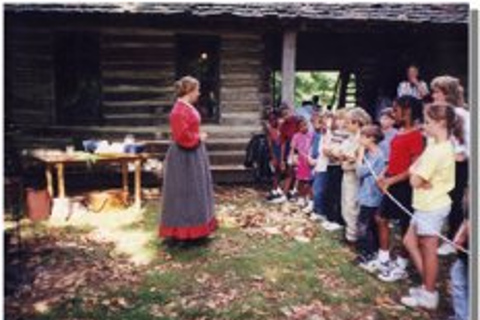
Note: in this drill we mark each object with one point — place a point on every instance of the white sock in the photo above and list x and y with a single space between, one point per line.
402 262
279 191
383 255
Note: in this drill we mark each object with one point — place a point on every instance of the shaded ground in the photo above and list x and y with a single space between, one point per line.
266 262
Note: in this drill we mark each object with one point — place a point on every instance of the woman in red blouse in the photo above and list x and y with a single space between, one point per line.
187 211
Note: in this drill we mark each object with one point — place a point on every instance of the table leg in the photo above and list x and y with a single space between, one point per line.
61 180
138 183
125 177
48 176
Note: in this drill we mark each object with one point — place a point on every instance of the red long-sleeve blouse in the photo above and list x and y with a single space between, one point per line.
185 125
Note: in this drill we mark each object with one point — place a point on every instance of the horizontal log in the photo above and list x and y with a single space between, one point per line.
135 96
107 49
239 96
241 108
132 89
229 83
134 120
239 68
239 36
120 31
241 62
168 80
243 90
228 46
227 76
113 109
147 66
147 38
152 102
236 55
137 74
250 42
129 54
139 45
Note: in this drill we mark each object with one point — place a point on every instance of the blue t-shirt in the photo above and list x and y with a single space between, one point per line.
369 194
385 143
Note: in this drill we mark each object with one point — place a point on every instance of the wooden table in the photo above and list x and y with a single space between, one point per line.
59 160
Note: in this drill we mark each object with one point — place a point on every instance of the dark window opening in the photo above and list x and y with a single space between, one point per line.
77 78
198 56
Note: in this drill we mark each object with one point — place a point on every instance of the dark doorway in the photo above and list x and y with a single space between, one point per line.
77 78
198 56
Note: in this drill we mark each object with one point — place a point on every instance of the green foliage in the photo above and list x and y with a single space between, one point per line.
308 84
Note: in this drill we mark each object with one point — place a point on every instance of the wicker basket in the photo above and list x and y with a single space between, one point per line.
106 201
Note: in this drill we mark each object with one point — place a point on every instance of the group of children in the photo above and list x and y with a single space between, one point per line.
364 176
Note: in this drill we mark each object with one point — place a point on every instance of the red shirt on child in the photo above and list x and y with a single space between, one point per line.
288 129
405 148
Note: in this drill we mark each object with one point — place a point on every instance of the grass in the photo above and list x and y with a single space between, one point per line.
237 276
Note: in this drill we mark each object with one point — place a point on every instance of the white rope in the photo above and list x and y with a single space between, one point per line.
411 214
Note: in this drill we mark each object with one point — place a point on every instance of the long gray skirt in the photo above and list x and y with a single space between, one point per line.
187 207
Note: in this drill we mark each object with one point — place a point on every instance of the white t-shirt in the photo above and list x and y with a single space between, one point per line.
405 88
322 161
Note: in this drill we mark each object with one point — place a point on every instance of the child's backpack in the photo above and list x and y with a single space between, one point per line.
258 157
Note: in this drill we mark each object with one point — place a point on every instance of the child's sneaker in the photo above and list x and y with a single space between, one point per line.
370 266
377 265
415 291
393 273
317 217
280 198
272 195
423 299
308 208
292 195
331 226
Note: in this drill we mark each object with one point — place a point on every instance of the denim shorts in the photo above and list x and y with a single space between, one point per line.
429 223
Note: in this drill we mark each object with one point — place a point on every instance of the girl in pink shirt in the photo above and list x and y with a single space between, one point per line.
300 147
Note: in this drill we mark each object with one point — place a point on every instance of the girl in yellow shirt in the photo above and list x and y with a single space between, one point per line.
432 177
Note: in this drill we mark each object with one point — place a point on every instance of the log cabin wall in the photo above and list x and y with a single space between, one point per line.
242 84
138 72
138 69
